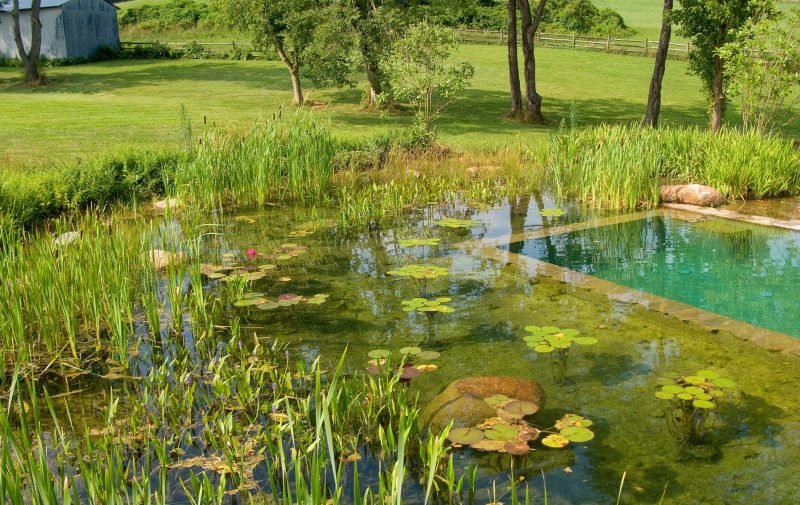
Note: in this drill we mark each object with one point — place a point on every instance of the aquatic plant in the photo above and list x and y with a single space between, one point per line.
691 401
510 433
290 300
287 251
551 212
428 306
418 242
420 272
556 343
451 222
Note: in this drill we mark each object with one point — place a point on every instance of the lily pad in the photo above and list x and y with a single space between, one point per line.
577 434
427 368
497 401
694 379
551 212
708 374
555 441
427 355
465 436
663 395
520 407
516 447
672 388
684 396
585 340
722 382
693 390
379 353
703 404
502 432
544 348
410 350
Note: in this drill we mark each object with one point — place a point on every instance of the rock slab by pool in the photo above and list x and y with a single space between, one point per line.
692 194
462 401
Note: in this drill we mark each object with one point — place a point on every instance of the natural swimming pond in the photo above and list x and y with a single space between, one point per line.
745 272
324 292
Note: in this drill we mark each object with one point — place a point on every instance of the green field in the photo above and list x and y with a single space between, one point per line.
95 107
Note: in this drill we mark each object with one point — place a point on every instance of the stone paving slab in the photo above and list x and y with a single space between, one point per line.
793 224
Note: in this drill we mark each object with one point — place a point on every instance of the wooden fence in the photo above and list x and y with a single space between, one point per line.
644 47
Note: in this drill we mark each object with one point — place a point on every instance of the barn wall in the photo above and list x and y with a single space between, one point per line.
89 24
53 40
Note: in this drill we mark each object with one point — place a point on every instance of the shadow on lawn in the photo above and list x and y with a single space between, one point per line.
122 74
483 111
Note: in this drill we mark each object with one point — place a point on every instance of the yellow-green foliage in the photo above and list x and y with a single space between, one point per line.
623 166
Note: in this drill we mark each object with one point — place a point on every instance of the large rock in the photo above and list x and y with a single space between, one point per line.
692 194
162 259
462 400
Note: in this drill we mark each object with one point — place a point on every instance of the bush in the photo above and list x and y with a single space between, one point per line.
173 14
27 196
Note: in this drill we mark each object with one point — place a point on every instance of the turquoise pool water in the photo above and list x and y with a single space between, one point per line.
745 272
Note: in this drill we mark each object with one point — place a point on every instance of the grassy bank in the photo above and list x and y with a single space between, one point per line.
97 107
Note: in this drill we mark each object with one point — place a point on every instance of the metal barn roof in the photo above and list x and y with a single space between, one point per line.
25 5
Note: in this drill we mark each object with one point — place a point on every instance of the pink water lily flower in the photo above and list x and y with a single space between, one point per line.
251 253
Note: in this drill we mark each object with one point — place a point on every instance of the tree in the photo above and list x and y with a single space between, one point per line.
710 24
29 58
419 72
377 24
530 23
654 96
513 61
298 31
763 68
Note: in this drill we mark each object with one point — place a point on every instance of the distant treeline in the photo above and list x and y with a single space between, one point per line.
572 16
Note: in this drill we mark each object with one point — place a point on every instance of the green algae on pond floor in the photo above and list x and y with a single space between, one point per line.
611 382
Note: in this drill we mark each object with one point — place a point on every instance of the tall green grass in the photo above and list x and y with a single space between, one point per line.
274 161
624 166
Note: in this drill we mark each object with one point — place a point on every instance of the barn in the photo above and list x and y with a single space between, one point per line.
70 28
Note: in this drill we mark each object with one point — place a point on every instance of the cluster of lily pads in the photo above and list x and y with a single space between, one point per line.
285 300
227 273
691 399
428 306
418 242
420 272
451 222
287 251
508 432
380 358
546 339
556 342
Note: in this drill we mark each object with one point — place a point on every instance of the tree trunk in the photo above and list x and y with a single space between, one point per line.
513 62
654 97
533 101
373 76
297 98
294 71
29 58
717 96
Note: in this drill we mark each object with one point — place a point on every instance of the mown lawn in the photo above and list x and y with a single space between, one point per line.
99 106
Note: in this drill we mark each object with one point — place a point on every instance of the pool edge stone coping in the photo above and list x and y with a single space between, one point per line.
764 338
793 224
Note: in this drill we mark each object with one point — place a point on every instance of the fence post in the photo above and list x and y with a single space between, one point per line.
501 36
646 44
608 43
573 40
688 44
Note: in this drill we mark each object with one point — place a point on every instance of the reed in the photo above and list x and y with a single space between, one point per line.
624 166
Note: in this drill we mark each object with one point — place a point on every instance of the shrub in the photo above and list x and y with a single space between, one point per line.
27 196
